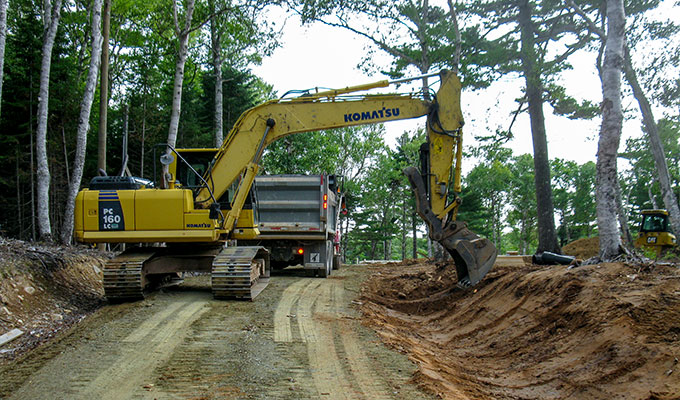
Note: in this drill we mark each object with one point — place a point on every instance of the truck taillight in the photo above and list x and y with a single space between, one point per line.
301 251
325 201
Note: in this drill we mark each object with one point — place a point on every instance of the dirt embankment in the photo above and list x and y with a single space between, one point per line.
44 289
584 248
600 331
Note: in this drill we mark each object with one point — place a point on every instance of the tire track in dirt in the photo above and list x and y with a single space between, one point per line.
327 370
113 368
284 312
138 361
339 366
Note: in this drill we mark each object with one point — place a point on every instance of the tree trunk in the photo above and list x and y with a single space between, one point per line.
51 15
216 39
104 88
19 211
3 37
652 198
610 132
403 226
414 231
141 167
547 236
655 144
32 168
623 218
83 123
183 49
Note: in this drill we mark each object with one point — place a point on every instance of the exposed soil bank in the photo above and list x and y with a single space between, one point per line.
599 331
45 289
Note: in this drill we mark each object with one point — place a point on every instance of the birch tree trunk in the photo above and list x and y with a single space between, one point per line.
610 132
83 123
655 144
3 38
182 51
51 16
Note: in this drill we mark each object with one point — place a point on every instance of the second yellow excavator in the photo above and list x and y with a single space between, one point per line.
188 229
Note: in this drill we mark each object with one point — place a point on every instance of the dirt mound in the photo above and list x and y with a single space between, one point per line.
44 289
583 248
599 331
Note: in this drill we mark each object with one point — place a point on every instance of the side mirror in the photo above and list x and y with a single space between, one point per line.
167 159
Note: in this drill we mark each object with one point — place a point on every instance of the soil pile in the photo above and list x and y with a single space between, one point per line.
44 289
600 331
584 248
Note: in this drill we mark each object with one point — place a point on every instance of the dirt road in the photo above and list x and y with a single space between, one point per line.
301 338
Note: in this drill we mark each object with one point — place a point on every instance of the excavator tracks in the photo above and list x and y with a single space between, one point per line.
124 278
240 272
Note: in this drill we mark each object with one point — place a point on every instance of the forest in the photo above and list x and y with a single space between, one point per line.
90 85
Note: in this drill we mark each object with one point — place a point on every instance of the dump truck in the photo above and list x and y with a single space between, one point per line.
298 220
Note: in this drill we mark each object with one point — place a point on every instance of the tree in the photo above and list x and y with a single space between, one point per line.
488 181
104 88
641 181
547 237
663 31
564 174
234 39
522 201
84 123
610 131
3 38
655 144
182 33
51 16
216 35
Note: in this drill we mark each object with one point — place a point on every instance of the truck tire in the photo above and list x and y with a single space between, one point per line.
337 261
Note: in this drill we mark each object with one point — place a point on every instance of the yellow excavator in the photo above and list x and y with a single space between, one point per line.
177 229
655 233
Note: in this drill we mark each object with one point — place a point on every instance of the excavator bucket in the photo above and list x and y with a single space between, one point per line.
473 256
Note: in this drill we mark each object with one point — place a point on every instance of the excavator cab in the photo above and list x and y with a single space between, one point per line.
655 233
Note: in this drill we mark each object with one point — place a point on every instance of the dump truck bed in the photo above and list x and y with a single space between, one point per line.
295 206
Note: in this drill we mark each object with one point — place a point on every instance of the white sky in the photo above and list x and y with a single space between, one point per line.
322 56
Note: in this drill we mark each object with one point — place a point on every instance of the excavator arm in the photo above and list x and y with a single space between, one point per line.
436 186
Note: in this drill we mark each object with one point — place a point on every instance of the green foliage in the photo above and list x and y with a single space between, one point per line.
640 181
143 55
522 216
574 199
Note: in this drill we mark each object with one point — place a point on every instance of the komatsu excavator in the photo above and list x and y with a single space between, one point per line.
177 228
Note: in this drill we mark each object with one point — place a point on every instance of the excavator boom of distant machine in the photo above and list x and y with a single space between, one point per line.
114 209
